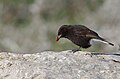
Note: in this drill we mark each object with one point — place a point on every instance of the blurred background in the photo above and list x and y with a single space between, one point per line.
28 26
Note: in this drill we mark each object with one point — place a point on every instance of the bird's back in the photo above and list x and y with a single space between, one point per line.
80 30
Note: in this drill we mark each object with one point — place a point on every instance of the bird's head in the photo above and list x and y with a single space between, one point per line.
62 32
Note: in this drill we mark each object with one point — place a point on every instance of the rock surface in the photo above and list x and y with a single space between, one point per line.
59 65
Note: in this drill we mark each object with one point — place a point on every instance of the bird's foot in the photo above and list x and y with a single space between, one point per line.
75 50
89 54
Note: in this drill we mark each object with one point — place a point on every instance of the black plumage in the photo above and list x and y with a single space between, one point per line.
79 35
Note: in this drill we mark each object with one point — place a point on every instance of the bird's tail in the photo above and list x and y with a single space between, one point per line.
104 41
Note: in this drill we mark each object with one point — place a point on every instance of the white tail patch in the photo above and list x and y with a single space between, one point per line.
97 41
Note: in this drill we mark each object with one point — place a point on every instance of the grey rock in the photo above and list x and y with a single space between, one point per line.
59 65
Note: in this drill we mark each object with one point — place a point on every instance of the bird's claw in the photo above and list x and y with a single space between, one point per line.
75 50
89 54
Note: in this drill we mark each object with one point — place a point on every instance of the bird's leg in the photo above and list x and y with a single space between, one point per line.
75 50
79 48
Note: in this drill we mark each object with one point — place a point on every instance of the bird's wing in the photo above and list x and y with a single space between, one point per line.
85 33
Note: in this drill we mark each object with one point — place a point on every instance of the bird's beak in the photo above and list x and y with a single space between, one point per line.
58 37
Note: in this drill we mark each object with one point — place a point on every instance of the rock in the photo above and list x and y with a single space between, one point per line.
59 65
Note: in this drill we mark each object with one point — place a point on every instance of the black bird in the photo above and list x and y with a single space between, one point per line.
80 35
